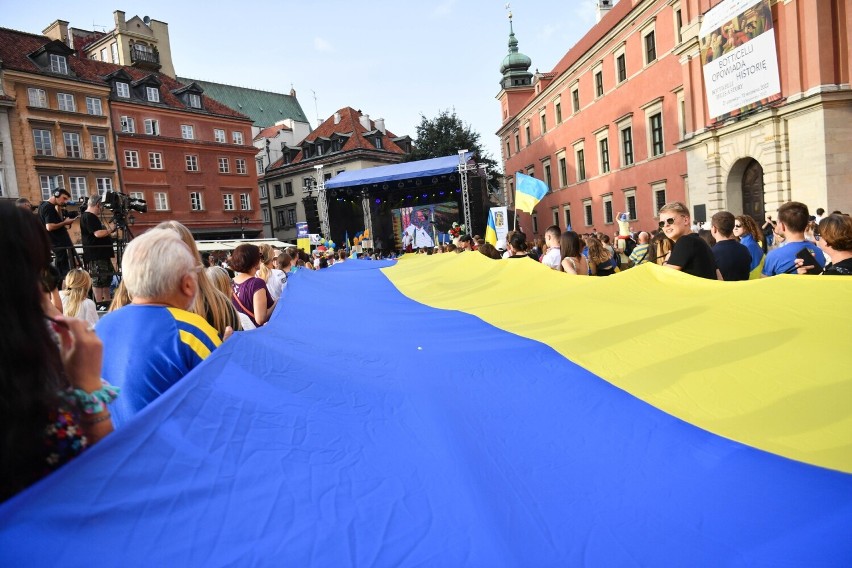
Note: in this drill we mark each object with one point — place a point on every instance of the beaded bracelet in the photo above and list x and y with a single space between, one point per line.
97 420
93 402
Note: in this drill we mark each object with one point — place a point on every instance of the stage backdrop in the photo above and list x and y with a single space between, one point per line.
454 410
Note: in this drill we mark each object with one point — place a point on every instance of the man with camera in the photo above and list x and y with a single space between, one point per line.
97 247
56 221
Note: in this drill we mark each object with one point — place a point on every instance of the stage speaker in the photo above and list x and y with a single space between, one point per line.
312 214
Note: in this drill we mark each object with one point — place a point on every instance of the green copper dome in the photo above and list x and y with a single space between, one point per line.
515 66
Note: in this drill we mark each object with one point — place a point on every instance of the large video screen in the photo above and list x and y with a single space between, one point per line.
423 226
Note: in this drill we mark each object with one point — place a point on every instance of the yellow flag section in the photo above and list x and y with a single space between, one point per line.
767 363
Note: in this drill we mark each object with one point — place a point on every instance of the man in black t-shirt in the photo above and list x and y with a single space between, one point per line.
732 257
57 230
690 253
97 248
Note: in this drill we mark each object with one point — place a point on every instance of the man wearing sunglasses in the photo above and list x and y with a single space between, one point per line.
690 253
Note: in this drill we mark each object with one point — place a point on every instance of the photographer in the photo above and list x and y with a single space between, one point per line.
97 247
57 228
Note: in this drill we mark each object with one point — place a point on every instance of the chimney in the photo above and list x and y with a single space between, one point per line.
337 118
602 7
365 121
380 125
58 30
120 22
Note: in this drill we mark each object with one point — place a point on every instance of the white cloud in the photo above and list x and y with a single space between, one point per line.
323 45
444 9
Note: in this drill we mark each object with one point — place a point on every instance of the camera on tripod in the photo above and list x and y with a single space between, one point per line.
121 205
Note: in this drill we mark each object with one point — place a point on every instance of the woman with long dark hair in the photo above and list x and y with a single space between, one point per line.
52 400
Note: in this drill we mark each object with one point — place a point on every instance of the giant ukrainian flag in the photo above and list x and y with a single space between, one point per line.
472 412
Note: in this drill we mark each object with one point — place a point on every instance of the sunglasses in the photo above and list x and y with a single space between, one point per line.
669 221
737 226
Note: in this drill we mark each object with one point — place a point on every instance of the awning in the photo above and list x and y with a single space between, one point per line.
406 170
208 246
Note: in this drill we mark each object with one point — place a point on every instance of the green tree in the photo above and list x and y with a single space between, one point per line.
445 135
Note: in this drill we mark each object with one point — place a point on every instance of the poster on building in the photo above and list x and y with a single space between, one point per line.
738 57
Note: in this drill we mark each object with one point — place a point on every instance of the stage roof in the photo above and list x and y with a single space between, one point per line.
405 170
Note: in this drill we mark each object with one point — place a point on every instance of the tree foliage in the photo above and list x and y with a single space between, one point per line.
445 135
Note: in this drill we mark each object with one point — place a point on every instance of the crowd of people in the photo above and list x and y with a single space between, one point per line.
733 248
174 306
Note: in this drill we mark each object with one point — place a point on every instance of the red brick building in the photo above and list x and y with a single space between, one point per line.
600 129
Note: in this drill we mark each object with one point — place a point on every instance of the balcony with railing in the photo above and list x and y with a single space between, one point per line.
145 59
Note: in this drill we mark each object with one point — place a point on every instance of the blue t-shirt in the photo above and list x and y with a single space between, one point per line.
754 249
783 259
147 349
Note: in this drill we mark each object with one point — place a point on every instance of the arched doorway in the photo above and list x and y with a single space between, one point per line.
752 190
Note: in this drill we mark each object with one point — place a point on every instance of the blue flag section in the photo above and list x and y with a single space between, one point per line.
385 432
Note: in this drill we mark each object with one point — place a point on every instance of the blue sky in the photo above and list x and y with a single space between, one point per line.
392 60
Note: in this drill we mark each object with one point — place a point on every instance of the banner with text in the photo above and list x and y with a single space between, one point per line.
739 57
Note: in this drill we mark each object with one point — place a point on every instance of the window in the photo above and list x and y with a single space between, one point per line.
161 201
535 223
627 146
678 25
655 124
122 90
263 193
259 163
575 99
77 186
131 158
621 68
187 132
650 47
37 97
555 213
603 154
72 144
153 94
508 148
517 142
66 102
104 53
99 147
94 107
277 190
237 137
152 127
241 166
155 160
224 166
49 184
547 177
219 135
196 202
543 120
599 88
288 188
191 163
630 204
193 100
228 199
266 216
291 216
114 49
607 206
279 216
587 212
137 195
128 124
527 132
43 142
58 64
377 140
581 164
681 114
659 190
103 184
566 213
563 171
245 201
557 108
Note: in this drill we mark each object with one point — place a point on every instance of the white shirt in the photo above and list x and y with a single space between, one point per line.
421 237
88 310
552 258
275 284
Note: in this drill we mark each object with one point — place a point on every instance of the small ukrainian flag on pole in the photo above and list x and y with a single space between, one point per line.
528 192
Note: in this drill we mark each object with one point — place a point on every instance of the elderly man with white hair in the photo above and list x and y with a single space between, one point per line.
153 342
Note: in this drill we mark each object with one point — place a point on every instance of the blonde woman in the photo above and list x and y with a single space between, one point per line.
210 303
75 297
267 272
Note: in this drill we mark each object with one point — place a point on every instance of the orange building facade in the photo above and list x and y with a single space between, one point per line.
601 129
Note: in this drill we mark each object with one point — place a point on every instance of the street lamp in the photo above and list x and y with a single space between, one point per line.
241 220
